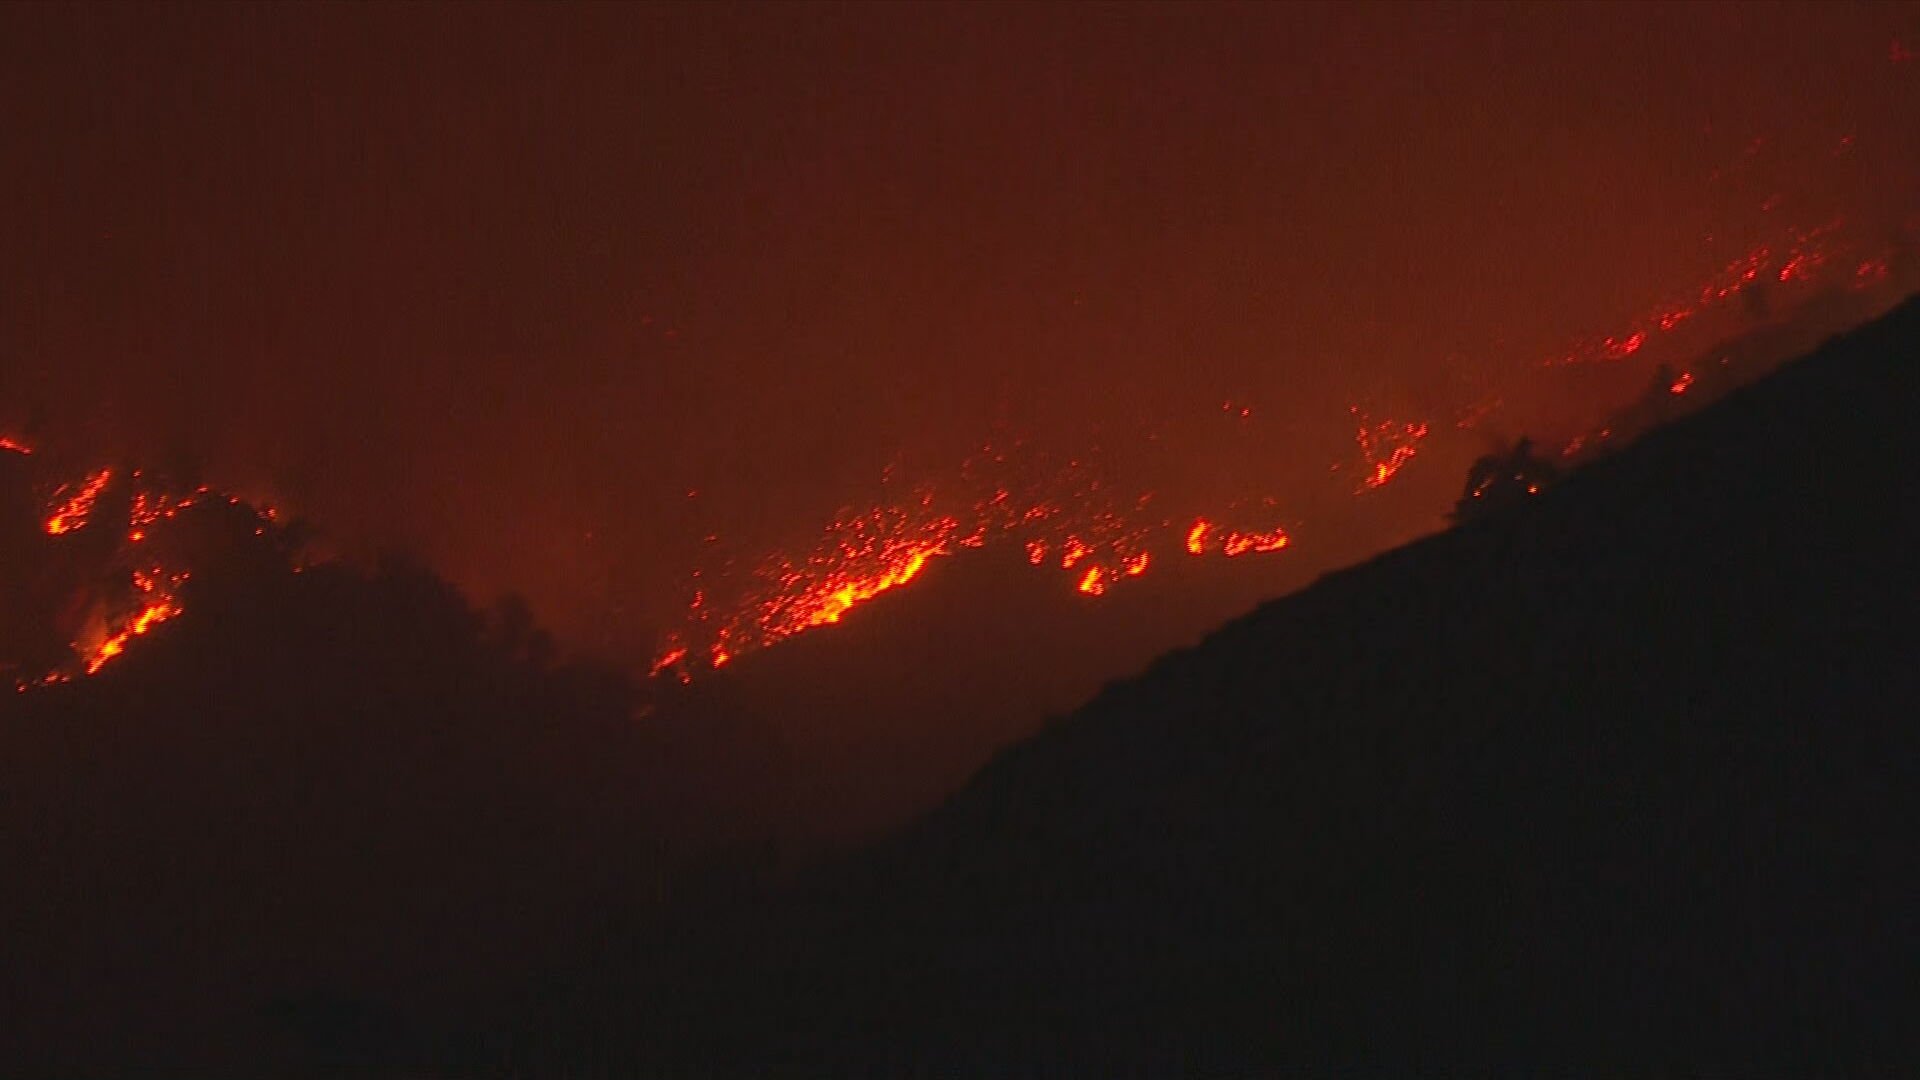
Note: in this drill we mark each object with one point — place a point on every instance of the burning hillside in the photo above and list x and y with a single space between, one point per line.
101 560
1078 516
733 425
123 549
1117 307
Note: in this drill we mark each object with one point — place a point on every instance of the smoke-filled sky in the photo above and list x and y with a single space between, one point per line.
553 294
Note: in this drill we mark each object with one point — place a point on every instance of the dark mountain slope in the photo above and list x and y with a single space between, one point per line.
1625 776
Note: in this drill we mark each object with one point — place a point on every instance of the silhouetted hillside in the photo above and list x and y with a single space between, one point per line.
320 808
893 709
1623 776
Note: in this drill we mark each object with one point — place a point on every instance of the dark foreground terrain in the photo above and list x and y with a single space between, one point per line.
1626 776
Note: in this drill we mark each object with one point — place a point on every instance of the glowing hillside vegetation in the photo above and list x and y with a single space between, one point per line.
1076 520
151 583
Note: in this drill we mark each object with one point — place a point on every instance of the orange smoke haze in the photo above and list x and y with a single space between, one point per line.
704 328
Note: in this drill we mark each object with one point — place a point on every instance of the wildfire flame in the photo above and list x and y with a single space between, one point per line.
1197 537
1068 518
1802 254
158 610
73 513
74 507
1237 543
1385 447
1071 523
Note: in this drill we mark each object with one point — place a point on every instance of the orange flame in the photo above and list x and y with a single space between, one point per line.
72 510
1075 552
1401 441
1237 543
1064 517
828 609
669 659
1099 537
1197 537
150 616
1618 350
73 513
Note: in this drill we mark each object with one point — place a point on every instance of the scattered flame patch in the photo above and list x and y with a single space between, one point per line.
113 624
1620 350
1075 552
72 514
1065 518
1800 266
1385 448
1235 544
1800 253
1066 515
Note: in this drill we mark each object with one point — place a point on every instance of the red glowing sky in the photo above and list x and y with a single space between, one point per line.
507 284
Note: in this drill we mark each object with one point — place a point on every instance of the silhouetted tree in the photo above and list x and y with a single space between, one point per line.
1496 481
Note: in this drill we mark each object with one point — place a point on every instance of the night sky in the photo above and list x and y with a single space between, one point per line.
551 295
